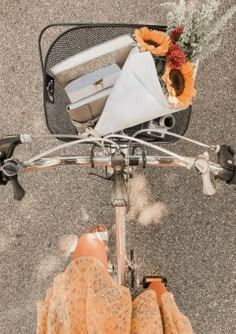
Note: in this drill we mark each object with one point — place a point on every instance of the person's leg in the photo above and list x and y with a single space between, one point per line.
159 288
90 245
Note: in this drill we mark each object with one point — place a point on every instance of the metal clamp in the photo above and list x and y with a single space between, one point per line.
49 88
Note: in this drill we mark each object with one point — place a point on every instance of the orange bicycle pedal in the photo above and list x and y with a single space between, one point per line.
147 280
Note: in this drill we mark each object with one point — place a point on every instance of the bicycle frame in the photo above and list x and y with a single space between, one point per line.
121 253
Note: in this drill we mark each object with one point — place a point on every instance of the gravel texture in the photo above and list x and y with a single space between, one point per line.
194 247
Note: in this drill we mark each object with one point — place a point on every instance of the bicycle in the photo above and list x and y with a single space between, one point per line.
121 152
120 163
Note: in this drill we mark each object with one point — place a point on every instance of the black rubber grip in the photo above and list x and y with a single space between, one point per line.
233 179
7 146
226 161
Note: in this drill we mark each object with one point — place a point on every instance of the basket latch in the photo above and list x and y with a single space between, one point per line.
49 88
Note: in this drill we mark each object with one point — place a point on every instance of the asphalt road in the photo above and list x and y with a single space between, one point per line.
194 247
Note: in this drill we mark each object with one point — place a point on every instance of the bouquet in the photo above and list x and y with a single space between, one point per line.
158 77
192 35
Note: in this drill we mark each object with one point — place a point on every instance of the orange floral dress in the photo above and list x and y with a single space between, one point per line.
85 300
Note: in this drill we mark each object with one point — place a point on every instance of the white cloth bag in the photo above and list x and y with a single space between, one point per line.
136 97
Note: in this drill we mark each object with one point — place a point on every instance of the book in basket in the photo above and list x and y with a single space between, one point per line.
90 107
92 83
114 51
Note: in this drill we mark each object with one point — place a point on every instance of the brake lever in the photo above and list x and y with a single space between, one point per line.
19 192
10 170
202 166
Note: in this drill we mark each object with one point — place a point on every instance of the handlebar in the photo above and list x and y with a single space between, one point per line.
9 168
202 165
106 161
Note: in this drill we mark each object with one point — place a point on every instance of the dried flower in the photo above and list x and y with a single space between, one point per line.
176 33
202 29
176 57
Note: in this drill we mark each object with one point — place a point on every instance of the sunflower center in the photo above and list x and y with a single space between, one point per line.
178 83
151 42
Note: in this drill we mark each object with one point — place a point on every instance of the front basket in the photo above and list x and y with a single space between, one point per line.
60 41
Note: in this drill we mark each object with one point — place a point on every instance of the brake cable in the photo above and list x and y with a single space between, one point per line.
80 141
158 148
211 147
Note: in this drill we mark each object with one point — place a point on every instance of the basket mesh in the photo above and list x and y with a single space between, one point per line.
71 42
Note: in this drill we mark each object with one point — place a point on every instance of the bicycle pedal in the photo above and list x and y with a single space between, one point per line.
147 280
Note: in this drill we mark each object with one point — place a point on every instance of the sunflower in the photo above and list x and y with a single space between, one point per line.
180 83
157 42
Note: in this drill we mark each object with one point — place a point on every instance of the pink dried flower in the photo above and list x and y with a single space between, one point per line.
176 33
176 57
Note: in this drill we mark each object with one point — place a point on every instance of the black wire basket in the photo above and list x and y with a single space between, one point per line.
74 38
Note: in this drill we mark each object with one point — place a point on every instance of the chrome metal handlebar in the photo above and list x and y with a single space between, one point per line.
10 168
101 161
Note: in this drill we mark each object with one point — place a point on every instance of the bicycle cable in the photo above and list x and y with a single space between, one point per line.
85 140
57 136
158 148
211 147
100 142
172 134
27 138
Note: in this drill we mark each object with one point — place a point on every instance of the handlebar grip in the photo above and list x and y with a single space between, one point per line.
8 145
226 161
19 192
233 179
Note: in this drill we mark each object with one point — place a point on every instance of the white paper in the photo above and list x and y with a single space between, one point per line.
136 97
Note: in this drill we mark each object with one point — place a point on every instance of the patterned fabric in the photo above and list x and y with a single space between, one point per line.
85 300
